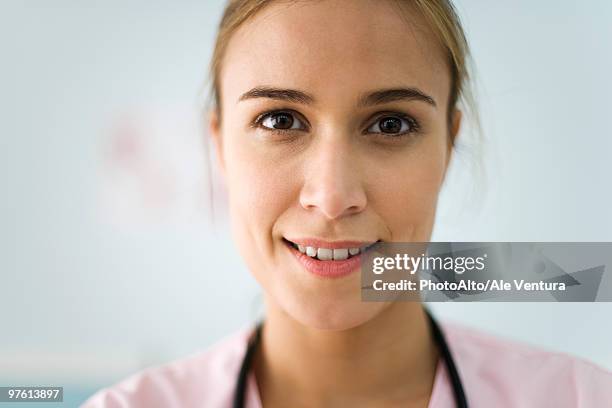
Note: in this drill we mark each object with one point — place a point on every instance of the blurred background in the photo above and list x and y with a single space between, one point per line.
109 261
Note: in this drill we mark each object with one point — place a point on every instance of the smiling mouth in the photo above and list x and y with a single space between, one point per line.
330 254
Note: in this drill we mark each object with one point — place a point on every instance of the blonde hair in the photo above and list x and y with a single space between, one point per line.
440 14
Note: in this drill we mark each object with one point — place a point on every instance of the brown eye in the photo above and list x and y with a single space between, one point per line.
281 121
393 125
390 125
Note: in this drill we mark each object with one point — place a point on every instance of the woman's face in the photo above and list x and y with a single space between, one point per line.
334 128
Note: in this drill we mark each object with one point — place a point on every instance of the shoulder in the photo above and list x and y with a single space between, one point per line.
513 373
204 378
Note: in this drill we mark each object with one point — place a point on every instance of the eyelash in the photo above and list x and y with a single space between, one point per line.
413 123
414 126
257 123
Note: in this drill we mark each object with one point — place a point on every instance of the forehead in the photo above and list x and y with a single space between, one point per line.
334 48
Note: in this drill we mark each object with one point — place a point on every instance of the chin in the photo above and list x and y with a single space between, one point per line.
328 312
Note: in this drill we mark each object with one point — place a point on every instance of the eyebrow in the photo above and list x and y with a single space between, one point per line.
289 95
395 94
374 98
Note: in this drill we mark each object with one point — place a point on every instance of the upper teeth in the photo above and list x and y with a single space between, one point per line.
327 254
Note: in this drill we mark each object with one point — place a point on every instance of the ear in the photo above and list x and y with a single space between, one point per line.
214 130
455 126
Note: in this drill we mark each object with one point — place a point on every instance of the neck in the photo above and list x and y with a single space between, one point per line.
389 359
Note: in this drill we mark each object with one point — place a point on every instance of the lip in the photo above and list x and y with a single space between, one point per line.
319 243
328 269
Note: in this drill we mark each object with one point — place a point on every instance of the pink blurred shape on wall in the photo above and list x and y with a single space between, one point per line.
155 167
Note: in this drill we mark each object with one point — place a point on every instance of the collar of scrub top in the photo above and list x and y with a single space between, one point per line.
458 391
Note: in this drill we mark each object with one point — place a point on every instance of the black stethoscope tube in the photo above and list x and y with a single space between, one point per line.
458 392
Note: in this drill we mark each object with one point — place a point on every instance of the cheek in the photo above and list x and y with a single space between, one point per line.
257 184
407 199
259 192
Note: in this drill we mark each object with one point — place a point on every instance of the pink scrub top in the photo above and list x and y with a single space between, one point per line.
495 373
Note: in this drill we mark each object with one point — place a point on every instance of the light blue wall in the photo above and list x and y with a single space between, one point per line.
74 284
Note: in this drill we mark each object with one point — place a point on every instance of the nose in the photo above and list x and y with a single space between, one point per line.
333 183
